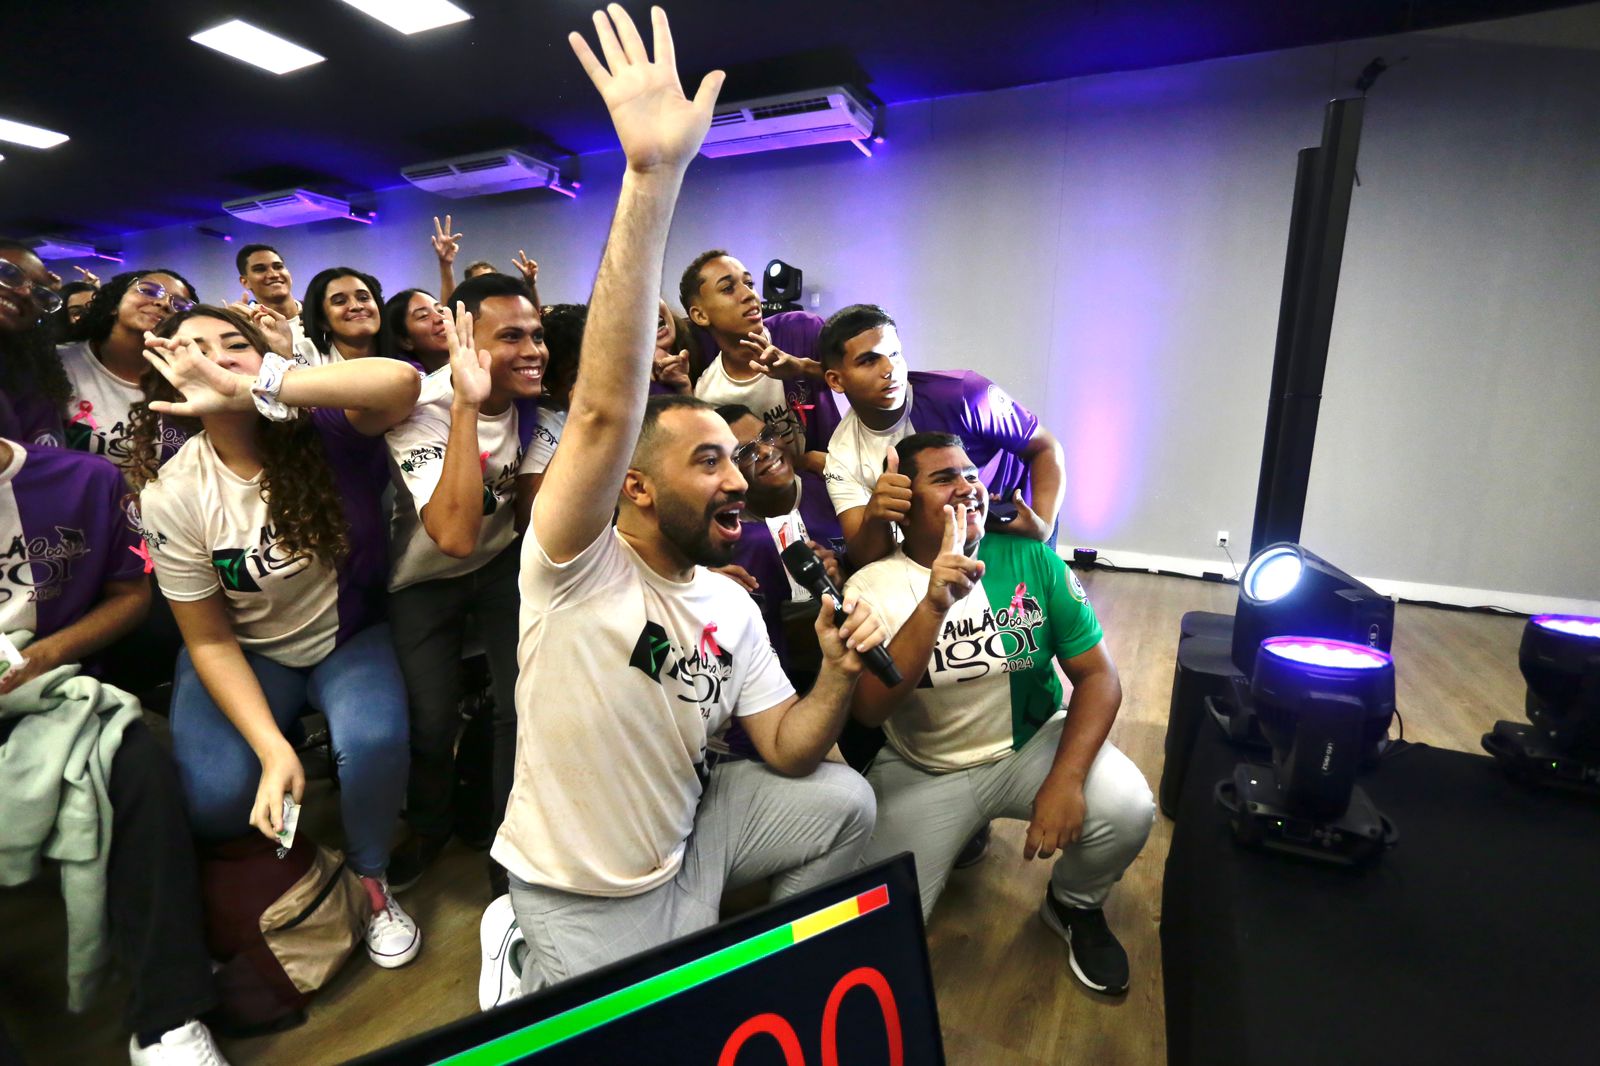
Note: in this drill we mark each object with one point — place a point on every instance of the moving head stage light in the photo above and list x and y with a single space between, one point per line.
1560 660
1286 589
780 287
1324 707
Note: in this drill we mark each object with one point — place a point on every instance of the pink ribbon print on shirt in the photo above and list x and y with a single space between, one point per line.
708 642
143 552
85 414
1016 597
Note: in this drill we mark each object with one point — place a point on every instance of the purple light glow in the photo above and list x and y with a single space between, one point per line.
1577 625
1337 654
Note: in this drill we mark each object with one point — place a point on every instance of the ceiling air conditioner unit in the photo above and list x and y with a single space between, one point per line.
817 116
49 248
484 173
290 207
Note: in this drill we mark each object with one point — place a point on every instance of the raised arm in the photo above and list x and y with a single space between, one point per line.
660 130
374 393
453 516
445 246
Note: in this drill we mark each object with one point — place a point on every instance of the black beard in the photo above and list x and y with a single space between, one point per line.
689 531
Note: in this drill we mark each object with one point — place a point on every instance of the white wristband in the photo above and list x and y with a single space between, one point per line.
268 383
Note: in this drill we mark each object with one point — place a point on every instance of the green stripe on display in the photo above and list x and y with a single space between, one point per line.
581 1019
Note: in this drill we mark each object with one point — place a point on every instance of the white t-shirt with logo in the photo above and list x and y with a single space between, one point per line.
207 528
856 455
763 394
97 410
542 445
416 460
790 529
623 676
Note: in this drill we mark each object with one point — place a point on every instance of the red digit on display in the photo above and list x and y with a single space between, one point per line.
874 980
774 1026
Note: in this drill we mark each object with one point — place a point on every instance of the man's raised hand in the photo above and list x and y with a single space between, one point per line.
445 243
891 496
954 574
469 365
658 126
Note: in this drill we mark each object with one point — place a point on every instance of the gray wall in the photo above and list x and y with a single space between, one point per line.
1111 250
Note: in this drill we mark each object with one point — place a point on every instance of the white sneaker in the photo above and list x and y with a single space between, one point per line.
393 938
500 977
188 1044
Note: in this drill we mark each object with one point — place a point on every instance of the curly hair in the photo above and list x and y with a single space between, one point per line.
102 313
28 361
296 480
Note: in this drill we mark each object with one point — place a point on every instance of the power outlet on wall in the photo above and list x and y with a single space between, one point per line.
1222 538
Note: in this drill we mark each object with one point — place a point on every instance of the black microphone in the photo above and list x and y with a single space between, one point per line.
807 569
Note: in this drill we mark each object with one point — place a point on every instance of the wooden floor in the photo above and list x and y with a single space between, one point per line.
1005 992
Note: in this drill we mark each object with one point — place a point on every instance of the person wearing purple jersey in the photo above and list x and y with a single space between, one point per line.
1020 460
769 364
33 386
267 535
778 512
72 576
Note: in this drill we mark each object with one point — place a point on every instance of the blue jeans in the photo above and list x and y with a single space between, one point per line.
358 687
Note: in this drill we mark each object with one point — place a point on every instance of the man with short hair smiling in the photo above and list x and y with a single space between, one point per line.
975 730
463 486
767 364
622 833
261 270
861 352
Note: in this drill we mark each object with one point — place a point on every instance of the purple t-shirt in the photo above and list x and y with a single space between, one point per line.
64 532
795 332
30 418
993 427
360 466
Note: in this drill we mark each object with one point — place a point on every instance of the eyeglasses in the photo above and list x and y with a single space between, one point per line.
763 447
14 278
151 290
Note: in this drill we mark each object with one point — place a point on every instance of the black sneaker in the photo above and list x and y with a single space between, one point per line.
411 858
973 851
1096 955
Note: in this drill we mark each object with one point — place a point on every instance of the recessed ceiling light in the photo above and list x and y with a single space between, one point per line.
254 45
411 16
32 136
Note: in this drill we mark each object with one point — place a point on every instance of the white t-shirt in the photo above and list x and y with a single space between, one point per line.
416 460
623 676
856 454
208 528
542 445
762 394
786 530
963 717
97 410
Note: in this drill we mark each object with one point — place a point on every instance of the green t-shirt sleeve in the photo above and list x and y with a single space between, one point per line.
1074 629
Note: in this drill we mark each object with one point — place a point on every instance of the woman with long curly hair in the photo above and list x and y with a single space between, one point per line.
268 539
33 387
104 367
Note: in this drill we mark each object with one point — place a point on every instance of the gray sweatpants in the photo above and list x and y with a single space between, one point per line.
752 823
933 815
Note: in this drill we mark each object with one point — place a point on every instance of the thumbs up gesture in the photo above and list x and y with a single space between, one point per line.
891 496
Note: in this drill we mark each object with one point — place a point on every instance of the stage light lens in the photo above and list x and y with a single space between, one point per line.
1336 654
1576 625
774 270
1272 575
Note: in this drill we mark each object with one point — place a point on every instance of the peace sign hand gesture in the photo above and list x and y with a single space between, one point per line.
660 129
954 573
528 268
273 324
469 364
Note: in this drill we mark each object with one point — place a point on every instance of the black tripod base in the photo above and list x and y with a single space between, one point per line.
1256 811
1527 756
